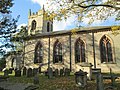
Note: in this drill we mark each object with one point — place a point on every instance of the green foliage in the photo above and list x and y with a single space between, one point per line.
18 38
62 83
2 63
92 9
7 26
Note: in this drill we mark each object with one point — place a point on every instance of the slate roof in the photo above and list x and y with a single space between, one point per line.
80 30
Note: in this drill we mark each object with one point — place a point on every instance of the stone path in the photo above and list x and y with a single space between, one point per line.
16 86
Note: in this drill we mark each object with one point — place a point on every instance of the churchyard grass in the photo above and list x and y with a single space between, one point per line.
1 73
59 83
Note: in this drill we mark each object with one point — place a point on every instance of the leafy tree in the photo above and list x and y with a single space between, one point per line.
18 39
2 63
7 26
92 9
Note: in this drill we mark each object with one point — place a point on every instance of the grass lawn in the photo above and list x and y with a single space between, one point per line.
60 83
1 73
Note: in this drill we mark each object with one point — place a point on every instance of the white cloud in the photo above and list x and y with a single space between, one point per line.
40 2
63 25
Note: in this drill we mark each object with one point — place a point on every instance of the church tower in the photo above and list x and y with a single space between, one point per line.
39 23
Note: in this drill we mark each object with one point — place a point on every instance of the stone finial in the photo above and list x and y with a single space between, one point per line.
29 13
43 8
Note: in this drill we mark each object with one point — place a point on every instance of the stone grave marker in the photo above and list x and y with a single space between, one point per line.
10 71
35 71
67 72
6 72
61 72
39 69
99 81
17 73
24 71
50 73
56 72
15 69
29 72
46 72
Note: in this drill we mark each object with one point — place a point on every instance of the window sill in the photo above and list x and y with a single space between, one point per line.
38 63
108 63
84 64
58 63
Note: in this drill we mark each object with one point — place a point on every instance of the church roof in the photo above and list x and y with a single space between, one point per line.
75 30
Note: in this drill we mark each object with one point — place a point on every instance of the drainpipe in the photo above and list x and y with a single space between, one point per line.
70 52
49 76
23 52
93 49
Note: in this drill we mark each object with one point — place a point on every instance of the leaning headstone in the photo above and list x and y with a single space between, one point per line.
35 71
67 72
17 73
24 71
61 72
29 72
36 79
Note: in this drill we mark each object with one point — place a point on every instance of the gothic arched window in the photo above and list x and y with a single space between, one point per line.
38 53
51 27
79 51
33 25
105 50
48 27
57 52
12 62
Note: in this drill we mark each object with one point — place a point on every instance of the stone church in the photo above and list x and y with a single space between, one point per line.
85 48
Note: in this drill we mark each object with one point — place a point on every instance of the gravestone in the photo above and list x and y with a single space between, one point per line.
99 81
29 72
17 73
36 79
61 72
46 73
39 69
56 72
81 79
24 71
15 69
35 71
6 72
10 71
67 72
112 78
50 73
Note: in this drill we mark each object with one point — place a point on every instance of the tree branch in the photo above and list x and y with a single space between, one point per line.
97 5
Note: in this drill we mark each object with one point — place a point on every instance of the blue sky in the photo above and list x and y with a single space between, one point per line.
21 8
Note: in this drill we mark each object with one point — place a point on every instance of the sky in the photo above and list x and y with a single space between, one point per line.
21 7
